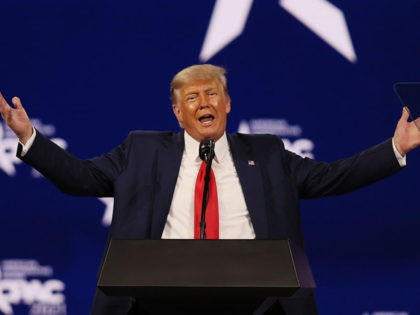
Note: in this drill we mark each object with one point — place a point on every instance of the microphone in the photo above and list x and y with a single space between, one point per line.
206 152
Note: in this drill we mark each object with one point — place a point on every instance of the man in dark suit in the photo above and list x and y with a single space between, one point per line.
152 175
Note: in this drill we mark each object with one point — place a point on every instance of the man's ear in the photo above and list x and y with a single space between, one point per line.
228 107
177 112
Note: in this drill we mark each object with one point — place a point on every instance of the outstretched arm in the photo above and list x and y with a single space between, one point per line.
16 118
70 174
407 134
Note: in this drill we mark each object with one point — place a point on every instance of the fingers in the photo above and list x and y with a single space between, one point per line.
4 107
16 101
3 102
405 113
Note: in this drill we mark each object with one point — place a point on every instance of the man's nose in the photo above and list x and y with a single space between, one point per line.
203 101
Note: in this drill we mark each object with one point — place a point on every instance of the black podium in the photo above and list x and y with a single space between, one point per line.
205 276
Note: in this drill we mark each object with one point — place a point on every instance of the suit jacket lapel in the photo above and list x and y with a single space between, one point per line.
249 173
168 164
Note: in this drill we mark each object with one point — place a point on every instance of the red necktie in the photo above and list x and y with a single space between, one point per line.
212 211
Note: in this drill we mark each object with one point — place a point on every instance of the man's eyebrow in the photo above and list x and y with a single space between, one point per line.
195 91
211 89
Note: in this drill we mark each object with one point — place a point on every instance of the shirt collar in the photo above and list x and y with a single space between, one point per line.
221 148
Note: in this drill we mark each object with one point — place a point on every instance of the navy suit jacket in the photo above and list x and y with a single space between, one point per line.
142 172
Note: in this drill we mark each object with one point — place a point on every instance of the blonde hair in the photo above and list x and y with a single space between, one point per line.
198 72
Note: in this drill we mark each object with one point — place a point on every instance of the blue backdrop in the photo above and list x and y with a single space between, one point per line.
317 73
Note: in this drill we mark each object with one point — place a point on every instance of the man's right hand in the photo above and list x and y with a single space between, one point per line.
16 118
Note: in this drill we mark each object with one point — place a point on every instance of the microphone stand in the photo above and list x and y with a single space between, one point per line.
208 159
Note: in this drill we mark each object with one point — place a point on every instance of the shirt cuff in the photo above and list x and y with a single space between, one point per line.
28 144
402 160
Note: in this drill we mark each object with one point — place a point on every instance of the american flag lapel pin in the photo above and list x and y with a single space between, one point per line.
251 163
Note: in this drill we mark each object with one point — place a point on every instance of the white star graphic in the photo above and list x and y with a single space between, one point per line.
109 208
320 16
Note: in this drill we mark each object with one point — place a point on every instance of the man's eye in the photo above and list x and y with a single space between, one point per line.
191 97
212 93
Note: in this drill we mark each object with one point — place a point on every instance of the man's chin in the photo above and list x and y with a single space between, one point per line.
203 133
206 135
212 136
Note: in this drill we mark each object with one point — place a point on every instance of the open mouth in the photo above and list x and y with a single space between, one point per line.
206 119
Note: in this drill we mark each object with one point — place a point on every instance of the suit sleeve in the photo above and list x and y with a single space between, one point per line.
317 179
74 176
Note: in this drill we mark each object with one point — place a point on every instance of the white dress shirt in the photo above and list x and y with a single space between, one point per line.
234 220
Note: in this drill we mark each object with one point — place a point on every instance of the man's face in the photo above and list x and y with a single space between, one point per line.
202 107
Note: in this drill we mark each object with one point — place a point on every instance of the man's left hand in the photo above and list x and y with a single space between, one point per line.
407 134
